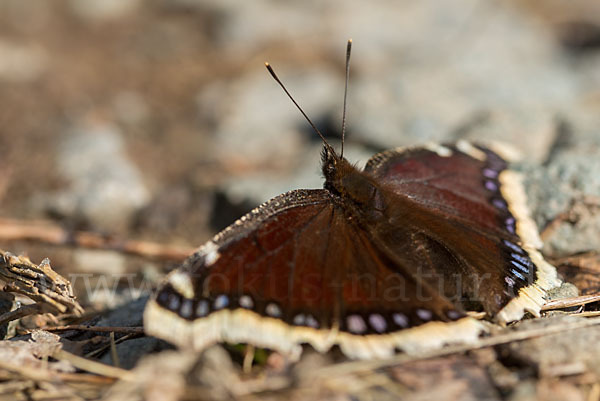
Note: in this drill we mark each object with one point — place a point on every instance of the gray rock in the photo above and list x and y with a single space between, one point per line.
105 188
570 184
160 376
131 351
525 391
131 108
103 10
21 63
99 261
256 125
582 118
127 315
426 73
558 349
431 93
566 290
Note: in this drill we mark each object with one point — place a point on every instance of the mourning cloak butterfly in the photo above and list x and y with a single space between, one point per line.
381 259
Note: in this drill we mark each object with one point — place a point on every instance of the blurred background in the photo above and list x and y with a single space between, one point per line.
158 121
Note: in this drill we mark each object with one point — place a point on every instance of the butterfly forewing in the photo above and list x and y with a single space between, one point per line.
448 182
302 262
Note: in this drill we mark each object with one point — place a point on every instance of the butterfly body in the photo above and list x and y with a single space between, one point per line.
381 259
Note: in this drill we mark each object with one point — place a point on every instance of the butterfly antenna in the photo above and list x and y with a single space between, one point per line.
348 51
314 127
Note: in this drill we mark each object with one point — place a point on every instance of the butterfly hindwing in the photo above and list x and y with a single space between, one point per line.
296 270
474 207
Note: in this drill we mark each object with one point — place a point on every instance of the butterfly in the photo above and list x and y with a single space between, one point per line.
381 259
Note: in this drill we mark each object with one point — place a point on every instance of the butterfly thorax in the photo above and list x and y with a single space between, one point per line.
352 185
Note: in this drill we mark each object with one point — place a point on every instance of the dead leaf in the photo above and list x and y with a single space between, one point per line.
34 353
51 291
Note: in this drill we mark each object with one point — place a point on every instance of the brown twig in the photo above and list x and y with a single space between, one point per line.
99 329
103 348
50 233
19 313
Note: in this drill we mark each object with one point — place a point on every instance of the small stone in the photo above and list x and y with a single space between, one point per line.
569 183
105 188
21 63
103 10
553 350
99 261
131 108
127 315
566 290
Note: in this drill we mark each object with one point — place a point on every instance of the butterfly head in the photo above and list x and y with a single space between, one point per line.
345 180
332 165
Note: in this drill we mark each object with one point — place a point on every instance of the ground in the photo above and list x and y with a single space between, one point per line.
156 122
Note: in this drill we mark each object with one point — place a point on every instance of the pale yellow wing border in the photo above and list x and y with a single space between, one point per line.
244 326
531 298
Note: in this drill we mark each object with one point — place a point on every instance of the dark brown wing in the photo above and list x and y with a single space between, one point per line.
450 182
466 206
300 270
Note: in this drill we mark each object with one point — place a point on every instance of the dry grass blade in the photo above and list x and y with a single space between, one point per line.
15 386
103 348
47 375
594 393
98 329
92 366
51 291
588 314
570 302
477 315
13 230
113 350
